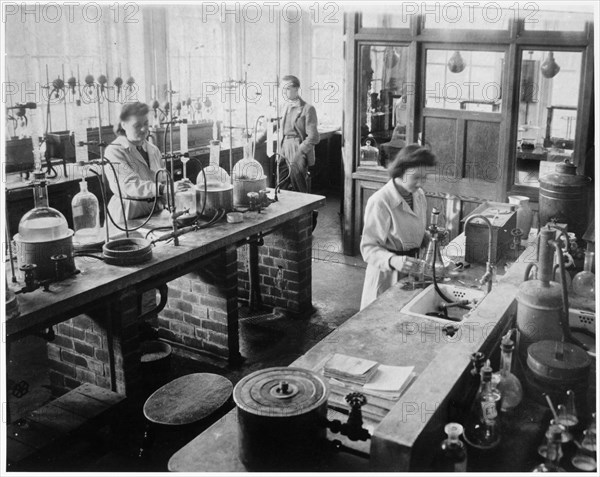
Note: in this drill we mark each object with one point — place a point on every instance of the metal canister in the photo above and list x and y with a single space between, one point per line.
281 418
540 305
563 197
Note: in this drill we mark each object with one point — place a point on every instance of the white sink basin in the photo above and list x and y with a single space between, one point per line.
428 301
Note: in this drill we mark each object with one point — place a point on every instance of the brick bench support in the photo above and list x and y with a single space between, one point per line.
202 310
100 347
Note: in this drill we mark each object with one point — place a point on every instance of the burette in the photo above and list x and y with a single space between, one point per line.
278 155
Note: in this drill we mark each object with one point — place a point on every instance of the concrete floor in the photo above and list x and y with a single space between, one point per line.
266 340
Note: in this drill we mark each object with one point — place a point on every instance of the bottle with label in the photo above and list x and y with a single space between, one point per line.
452 456
484 433
506 382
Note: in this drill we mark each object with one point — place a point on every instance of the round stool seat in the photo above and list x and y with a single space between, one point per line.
187 399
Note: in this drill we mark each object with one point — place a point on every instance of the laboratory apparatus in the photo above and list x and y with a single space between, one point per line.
43 234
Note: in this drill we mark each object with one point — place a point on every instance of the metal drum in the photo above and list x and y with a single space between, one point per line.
41 253
563 197
281 417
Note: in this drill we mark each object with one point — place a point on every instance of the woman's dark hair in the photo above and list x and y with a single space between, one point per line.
128 110
411 156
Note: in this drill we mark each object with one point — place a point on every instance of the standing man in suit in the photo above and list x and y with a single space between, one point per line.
299 136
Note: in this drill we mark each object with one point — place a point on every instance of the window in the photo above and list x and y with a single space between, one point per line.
548 99
467 80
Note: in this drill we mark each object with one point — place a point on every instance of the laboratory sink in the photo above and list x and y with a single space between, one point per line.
428 304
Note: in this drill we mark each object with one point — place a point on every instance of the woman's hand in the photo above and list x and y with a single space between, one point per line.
183 185
408 265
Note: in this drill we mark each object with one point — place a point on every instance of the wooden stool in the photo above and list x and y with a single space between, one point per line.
184 400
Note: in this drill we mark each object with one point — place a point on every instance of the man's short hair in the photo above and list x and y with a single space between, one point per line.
291 79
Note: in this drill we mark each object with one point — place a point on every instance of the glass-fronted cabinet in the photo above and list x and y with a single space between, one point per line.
547 117
382 103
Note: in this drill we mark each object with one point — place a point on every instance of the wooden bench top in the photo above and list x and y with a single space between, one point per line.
57 419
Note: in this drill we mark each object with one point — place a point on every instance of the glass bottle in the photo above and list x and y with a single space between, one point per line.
42 223
453 453
584 283
553 451
86 216
507 383
483 431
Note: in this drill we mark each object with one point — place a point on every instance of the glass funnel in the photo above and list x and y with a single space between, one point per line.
42 223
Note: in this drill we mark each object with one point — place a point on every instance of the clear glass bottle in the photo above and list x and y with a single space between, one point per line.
42 223
506 382
452 456
553 451
584 283
86 216
483 432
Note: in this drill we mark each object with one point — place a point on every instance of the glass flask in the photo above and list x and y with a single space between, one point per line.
584 283
507 383
369 154
86 215
217 178
186 199
553 451
42 223
483 431
452 456
248 169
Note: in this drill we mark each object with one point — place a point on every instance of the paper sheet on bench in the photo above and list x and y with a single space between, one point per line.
389 378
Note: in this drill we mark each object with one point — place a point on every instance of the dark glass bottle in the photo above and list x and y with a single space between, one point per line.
452 455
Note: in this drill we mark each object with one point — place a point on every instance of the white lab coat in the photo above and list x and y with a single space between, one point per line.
135 178
390 224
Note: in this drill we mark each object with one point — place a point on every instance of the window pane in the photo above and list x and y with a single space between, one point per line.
547 112
454 15
467 80
557 20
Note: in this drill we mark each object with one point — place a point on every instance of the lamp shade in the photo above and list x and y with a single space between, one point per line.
456 64
549 67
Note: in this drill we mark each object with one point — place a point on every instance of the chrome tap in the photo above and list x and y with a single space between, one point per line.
489 266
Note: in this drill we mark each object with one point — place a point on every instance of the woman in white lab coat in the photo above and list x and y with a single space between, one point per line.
395 220
135 161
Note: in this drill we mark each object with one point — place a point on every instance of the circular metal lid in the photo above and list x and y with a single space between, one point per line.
280 392
558 361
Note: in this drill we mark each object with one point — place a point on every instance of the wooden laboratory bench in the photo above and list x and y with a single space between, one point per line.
402 440
111 292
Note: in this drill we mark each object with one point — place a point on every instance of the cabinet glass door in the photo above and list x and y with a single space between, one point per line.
382 106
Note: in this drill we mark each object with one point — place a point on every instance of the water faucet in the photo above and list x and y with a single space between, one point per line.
489 266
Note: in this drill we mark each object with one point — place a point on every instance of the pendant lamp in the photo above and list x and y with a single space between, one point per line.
549 67
456 64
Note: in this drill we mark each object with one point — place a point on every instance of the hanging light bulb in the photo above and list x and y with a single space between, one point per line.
456 64
549 67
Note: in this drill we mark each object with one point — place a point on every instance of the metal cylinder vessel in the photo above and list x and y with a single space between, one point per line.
281 418
540 305
563 198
